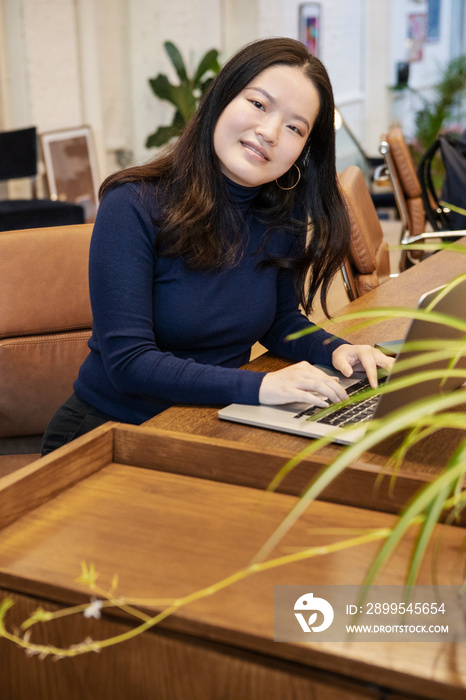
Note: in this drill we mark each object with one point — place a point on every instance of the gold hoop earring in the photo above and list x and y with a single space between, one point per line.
293 186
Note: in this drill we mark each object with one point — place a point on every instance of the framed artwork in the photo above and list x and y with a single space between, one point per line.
416 36
71 167
433 20
309 26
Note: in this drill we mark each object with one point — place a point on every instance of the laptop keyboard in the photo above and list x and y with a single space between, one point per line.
354 413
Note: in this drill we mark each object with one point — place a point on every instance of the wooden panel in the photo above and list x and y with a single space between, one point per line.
246 464
35 483
169 535
159 665
426 458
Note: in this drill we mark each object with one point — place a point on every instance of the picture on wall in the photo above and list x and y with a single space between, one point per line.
309 26
416 36
71 167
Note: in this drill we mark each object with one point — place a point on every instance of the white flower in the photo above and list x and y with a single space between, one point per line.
93 610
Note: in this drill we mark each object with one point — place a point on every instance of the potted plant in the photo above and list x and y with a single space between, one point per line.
448 93
186 95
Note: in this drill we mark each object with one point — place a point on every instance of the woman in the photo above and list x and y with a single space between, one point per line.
200 253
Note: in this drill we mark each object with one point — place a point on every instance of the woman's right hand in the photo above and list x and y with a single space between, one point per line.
297 383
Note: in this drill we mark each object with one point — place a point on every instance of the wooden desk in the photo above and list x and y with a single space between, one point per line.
403 291
357 485
110 498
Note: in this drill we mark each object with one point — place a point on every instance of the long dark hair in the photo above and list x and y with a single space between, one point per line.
199 223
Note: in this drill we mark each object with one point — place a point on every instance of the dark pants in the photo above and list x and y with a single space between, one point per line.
74 418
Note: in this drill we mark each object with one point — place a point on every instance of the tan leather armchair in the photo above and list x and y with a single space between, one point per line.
368 264
45 323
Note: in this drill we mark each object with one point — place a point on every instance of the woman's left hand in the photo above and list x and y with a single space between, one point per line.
347 358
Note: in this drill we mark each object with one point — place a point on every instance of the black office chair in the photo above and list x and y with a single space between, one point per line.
18 159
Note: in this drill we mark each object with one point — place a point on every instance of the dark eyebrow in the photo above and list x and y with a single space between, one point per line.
272 100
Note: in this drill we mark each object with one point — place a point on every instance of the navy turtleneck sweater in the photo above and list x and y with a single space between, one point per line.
164 334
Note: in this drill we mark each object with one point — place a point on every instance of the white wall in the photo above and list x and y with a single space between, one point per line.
343 50
342 42
193 26
41 61
435 54
68 62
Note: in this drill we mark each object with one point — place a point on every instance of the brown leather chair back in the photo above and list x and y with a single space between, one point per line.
369 262
45 322
406 185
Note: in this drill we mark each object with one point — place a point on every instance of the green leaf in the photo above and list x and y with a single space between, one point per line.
178 121
177 60
453 207
205 85
161 87
183 99
433 513
427 499
5 605
178 95
209 62
161 136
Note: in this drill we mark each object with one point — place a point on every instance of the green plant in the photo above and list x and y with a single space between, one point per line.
185 96
448 92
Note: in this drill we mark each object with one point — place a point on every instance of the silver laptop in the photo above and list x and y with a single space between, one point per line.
348 424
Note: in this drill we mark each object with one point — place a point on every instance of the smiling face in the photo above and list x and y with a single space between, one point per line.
262 131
